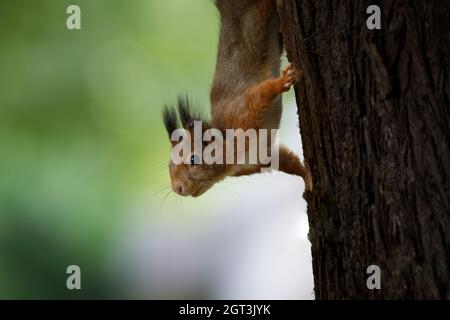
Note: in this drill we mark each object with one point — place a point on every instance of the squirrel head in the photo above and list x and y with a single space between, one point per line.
191 177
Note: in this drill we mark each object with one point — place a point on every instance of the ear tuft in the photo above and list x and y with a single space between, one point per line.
185 112
170 119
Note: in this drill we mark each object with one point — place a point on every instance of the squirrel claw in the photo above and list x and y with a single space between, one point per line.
289 76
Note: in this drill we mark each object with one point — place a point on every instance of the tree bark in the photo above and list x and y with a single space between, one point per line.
374 116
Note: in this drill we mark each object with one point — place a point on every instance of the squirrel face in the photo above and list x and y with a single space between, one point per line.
189 175
192 179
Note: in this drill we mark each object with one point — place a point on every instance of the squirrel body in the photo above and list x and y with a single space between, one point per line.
245 94
249 53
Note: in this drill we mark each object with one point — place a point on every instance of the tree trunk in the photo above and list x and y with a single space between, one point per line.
374 120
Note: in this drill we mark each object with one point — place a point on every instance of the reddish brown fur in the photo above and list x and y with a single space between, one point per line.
246 91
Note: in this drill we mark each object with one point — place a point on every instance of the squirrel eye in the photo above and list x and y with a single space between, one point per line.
195 159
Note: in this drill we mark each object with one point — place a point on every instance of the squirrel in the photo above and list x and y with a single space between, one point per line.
245 93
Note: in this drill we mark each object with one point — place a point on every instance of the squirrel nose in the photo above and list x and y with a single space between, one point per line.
178 188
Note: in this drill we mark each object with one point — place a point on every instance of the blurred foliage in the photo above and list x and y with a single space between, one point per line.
80 129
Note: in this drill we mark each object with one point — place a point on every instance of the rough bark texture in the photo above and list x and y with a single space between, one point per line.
374 119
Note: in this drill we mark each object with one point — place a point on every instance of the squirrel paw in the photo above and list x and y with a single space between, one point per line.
289 75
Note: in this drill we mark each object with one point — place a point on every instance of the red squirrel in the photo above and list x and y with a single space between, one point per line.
246 93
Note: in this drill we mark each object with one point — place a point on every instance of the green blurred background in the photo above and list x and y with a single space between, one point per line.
80 129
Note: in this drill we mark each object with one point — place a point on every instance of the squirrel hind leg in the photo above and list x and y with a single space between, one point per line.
290 163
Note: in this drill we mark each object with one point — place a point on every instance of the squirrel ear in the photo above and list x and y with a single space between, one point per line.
170 119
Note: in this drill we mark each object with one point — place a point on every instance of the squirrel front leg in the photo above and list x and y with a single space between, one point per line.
260 96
